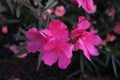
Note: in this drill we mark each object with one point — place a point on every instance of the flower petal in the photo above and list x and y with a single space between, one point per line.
63 61
81 18
46 32
96 40
50 45
33 34
49 58
33 46
85 51
88 6
67 49
56 25
76 33
62 35
80 2
92 38
85 24
92 50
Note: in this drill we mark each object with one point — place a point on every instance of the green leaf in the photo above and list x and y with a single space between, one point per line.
81 63
99 61
88 65
18 11
50 3
8 21
117 61
10 4
21 52
22 30
21 47
114 66
39 61
51 16
28 6
21 37
107 59
94 65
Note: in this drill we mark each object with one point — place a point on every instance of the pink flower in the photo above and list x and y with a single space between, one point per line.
117 29
110 38
59 11
48 11
37 40
87 5
61 52
52 43
84 40
13 48
57 47
112 13
4 29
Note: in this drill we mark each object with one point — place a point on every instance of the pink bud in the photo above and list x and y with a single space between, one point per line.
117 29
4 29
59 11
110 38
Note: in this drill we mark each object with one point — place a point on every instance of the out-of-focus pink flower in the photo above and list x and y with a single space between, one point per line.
4 29
81 18
57 47
59 11
22 55
13 48
112 13
35 4
48 11
93 30
37 42
110 38
87 5
84 40
83 23
117 29
104 43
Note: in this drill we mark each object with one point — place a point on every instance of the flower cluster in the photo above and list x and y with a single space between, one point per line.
57 43
87 5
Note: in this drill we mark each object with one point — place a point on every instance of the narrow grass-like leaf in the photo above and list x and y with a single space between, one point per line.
28 6
22 31
114 66
99 61
88 65
21 47
21 52
117 61
39 61
20 37
18 11
81 63
94 65
49 3
107 59
10 4
8 21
